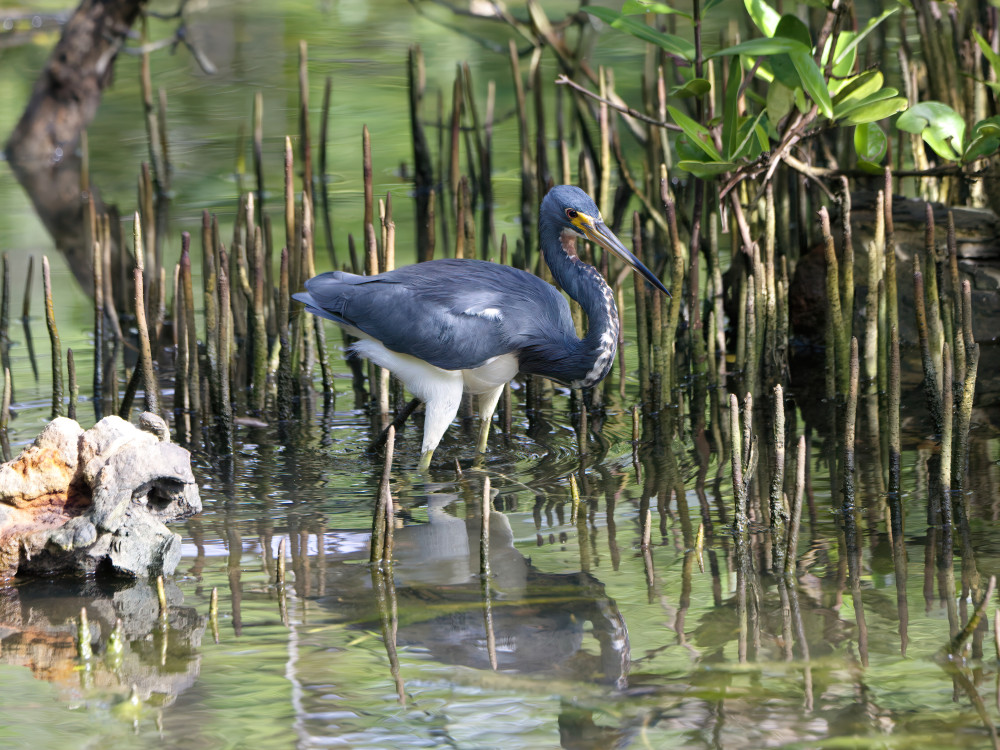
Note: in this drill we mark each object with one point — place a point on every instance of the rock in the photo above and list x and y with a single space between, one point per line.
977 241
48 465
95 501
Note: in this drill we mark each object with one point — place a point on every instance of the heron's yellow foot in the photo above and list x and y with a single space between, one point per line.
484 434
487 405
425 461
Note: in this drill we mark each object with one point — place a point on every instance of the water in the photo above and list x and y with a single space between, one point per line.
599 645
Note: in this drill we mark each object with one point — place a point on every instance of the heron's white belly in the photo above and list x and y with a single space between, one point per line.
425 381
491 375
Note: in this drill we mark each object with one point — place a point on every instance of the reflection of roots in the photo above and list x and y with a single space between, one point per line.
42 150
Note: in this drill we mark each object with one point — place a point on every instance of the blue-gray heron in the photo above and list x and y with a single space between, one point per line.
452 325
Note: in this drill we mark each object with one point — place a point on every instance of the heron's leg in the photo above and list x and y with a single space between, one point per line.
487 405
444 398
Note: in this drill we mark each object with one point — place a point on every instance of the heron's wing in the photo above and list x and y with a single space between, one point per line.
454 314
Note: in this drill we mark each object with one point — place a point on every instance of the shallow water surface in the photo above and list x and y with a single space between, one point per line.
597 643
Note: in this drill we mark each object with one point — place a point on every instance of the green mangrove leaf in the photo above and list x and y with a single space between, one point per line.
747 130
842 69
762 140
780 100
671 43
981 147
696 132
784 71
846 54
762 71
846 108
988 127
870 167
859 37
709 6
764 16
706 170
800 100
687 151
941 127
992 57
870 143
772 132
791 27
633 7
857 89
755 47
694 87
876 110
985 140
753 96
813 81
793 69
731 109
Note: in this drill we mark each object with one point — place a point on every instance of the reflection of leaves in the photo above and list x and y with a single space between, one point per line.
671 43
941 127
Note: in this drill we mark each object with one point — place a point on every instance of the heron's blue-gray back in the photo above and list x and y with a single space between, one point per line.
452 313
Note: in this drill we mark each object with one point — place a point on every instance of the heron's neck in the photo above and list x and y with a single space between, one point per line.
584 283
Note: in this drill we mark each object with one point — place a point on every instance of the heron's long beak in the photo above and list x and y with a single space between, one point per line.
597 231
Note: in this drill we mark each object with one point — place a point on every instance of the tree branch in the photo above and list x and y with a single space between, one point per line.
562 80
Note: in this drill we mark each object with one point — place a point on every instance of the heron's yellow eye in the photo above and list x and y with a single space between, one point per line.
571 214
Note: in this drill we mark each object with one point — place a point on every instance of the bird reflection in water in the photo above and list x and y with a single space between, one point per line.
538 618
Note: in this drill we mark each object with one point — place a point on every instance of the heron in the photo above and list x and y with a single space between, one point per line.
452 326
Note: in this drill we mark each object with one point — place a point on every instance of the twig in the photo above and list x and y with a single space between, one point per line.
562 80
945 170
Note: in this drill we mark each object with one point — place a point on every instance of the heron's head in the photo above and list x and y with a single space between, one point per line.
568 208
